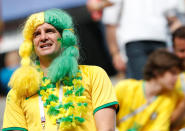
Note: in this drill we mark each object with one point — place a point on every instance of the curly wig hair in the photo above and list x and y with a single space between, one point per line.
26 79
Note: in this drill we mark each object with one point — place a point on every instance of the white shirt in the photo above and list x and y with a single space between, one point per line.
139 19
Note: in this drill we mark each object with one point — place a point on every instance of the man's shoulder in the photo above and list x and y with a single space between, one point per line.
91 68
180 83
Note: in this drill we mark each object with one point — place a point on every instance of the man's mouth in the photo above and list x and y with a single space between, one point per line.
44 45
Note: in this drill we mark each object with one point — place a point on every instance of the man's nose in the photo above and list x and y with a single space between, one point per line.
43 36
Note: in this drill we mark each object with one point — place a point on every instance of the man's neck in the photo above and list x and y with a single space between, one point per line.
152 88
44 64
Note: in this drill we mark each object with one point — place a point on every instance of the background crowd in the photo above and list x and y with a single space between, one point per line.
117 35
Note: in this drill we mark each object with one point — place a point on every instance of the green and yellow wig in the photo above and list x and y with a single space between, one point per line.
26 79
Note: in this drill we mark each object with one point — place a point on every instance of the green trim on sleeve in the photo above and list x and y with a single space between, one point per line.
104 106
14 128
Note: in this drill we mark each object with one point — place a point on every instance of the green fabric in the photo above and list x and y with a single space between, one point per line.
58 18
143 86
66 64
53 111
66 119
104 106
81 120
14 128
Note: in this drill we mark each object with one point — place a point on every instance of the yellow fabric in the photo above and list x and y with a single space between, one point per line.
26 81
25 113
180 87
179 84
130 94
20 80
31 24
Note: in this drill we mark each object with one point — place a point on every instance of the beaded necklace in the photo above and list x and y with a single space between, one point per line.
68 113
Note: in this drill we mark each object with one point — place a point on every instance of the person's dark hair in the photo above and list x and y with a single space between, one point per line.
159 62
178 33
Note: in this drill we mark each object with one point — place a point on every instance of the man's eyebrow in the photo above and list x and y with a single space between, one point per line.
50 28
35 32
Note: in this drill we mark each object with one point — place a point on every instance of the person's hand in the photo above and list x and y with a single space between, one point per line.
118 62
94 5
175 25
98 5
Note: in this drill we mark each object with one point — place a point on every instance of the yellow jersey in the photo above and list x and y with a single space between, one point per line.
155 117
24 114
180 86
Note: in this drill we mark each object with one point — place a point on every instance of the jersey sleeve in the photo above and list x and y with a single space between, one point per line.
14 118
103 94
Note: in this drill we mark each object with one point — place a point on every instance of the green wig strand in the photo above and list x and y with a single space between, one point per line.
66 64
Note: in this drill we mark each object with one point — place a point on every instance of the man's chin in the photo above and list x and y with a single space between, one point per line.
170 88
50 55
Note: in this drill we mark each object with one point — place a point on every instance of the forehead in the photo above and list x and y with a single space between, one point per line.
173 71
45 26
179 43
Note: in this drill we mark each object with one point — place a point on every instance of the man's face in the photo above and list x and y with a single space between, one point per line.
179 47
45 41
168 79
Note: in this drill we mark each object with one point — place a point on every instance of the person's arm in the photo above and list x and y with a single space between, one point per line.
173 23
104 100
170 13
14 117
117 59
106 119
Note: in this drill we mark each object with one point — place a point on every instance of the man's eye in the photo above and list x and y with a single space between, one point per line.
36 34
182 51
50 30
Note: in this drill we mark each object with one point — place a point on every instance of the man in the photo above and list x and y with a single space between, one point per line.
147 105
178 39
140 27
11 61
50 91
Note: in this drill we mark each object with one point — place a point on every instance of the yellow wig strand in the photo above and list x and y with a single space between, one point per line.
26 79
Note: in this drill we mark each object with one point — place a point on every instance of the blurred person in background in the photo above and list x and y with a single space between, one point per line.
91 37
178 39
51 91
179 18
93 30
138 27
147 105
11 62
1 29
